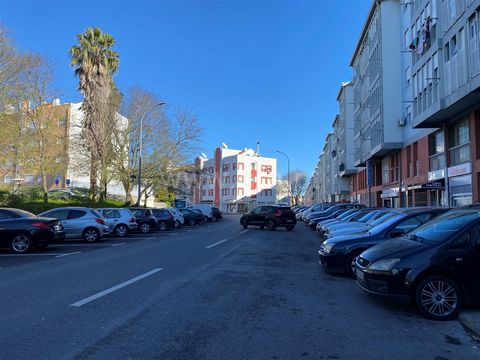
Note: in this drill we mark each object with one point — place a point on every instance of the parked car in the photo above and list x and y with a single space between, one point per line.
205 209
22 231
145 219
328 212
345 218
358 227
437 265
339 253
80 222
66 194
217 213
120 220
193 217
165 219
178 216
270 217
315 220
360 217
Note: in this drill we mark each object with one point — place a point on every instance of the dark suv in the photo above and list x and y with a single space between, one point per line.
145 219
270 217
164 218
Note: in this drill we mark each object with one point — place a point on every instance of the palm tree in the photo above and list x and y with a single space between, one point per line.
95 64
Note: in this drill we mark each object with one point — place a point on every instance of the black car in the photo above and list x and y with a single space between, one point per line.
145 219
192 217
164 218
217 213
328 212
21 231
270 217
315 220
436 265
338 254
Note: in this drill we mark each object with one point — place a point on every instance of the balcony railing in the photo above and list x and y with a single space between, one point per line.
459 154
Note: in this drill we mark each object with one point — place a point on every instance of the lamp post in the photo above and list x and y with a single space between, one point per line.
288 176
140 148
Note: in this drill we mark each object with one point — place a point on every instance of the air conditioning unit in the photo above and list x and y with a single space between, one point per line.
402 121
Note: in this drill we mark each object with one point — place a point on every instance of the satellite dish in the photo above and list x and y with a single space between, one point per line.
224 146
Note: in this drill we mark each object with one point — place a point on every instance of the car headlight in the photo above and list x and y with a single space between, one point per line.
328 248
384 265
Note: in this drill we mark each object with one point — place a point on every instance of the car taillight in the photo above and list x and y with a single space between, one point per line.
277 213
41 225
101 221
132 220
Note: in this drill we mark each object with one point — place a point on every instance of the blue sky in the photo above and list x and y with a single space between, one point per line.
266 71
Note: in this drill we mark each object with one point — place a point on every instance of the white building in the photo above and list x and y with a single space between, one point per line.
236 180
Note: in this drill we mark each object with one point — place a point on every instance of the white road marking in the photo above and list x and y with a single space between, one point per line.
77 245
41 254
215 244
244 231
73 253
120 244
114 288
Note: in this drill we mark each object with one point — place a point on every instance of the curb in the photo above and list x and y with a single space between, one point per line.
471 320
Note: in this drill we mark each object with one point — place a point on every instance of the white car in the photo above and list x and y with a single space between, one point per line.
205 209
178 216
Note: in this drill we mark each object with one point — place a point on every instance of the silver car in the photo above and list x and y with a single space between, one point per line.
80 222
178 216
121 221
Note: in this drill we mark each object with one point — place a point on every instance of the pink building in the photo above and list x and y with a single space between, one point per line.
236 180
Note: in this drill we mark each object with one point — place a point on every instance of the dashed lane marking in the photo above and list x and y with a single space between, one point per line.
215 244
68 254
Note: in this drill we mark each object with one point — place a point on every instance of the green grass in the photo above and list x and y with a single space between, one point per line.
37 206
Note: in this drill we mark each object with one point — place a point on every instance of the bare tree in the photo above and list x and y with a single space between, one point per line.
298 184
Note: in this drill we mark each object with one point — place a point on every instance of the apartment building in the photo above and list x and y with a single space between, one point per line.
236 180
66 157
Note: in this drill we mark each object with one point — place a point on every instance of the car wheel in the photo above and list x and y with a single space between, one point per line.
350 264
203 221
214 218
245 224
144 228
290 227
177 224
21 243
192 222
438 298
270 225
91 235
162 225
120 231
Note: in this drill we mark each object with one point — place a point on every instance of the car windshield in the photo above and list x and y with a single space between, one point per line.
443 227
382 218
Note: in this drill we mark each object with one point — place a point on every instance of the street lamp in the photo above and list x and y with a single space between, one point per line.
140 148
288 176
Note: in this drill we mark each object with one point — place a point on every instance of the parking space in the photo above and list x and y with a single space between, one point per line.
69 248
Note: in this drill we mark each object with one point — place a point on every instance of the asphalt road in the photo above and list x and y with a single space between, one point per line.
217 292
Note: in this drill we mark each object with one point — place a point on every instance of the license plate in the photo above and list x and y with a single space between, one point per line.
359 274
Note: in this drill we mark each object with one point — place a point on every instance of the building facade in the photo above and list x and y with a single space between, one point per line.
236 180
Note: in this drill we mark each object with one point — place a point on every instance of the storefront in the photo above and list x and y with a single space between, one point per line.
460 184
436 188
390 198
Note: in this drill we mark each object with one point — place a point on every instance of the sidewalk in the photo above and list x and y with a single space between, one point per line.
470 318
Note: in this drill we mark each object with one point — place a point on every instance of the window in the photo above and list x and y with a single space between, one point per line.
204 192
408 75
446 52
459 142
241 166
462 242
58 214
75 214
266 168
234 192
240 191
240 178
234 178
210 181
265 180
436 150
204 181
225 191
226 179
210 192
226 167
253 166
453 46
112 214
407 225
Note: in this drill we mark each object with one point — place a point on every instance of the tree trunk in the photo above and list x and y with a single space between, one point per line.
127 187
93 178
103 183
